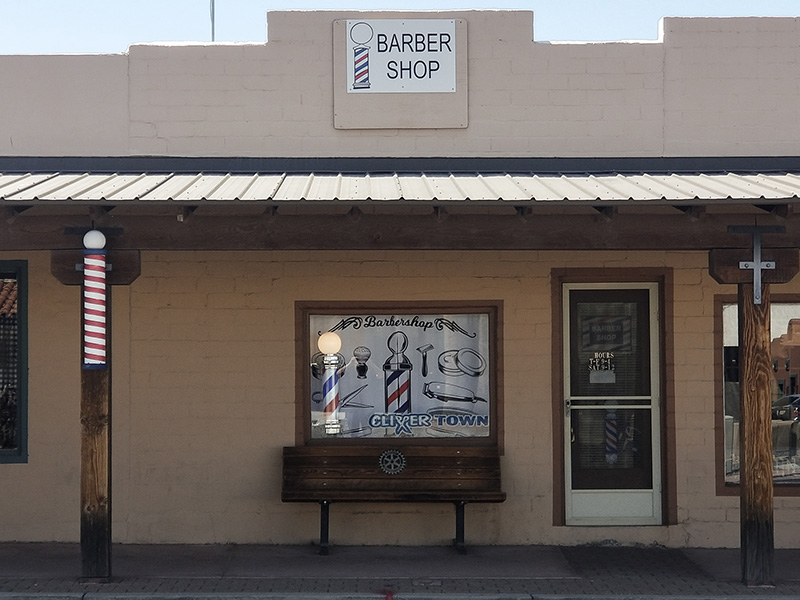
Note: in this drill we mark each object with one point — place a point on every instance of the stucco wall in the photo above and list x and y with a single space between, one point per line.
204 399
708 87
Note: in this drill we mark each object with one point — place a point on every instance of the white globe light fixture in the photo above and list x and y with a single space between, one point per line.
329 343
94 240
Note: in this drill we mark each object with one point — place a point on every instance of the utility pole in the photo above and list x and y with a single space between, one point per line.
213 36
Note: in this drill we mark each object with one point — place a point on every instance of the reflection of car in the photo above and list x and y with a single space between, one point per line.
786 408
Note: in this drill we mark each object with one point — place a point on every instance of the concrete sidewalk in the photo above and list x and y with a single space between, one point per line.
497 572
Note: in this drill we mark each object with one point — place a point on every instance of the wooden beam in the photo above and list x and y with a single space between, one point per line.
98 213
96 473
779 210
123 266
694 212
10 213
755 438
354 214
723 265
184 212
391 232
523 212
606 213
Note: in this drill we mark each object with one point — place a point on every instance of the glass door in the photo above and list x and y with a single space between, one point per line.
611 403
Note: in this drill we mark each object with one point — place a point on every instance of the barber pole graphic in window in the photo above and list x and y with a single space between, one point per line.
361 33
612 437
397 375
94 301
330 387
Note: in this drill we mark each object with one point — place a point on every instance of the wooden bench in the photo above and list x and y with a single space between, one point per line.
357 473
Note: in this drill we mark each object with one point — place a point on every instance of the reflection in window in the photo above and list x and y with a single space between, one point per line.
9 366
785 333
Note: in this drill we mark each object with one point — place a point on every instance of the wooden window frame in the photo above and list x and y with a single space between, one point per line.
304 309
724 488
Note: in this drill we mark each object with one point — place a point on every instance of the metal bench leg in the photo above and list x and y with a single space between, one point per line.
324 522
461 546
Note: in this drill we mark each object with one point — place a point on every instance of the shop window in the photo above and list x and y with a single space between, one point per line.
784 389
13 330
398 373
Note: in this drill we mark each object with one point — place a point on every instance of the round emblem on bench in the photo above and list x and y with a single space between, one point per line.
392 462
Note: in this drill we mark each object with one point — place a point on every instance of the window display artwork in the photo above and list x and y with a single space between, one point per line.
400 375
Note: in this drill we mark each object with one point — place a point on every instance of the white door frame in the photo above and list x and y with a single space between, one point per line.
615 507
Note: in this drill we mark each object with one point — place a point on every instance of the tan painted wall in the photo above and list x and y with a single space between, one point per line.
204 400
709 87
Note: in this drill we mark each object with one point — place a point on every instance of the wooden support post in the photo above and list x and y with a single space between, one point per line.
95 412
96 473
68 266
753 270
755 437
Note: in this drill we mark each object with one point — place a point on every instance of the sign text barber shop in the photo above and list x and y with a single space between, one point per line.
401 55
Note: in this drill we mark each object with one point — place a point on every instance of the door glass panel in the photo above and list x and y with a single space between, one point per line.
609 401
611 449
609 345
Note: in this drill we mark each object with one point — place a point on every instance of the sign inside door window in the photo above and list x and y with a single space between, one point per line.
609 345
606 334
602 368
601 337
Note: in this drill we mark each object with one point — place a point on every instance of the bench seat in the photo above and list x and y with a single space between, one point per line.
358 473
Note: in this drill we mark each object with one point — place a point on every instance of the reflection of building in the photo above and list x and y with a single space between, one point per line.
785 352
9 356
786 359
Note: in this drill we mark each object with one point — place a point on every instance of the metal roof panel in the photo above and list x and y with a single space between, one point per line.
13 184
198 188
171 188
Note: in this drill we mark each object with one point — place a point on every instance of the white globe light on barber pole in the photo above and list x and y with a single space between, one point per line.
94 300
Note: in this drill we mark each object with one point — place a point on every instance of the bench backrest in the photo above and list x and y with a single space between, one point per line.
381 473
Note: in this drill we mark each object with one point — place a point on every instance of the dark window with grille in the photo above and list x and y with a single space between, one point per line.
13 415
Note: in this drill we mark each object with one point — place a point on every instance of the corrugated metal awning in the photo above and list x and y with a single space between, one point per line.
490 188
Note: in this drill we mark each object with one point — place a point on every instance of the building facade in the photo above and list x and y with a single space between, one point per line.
555 204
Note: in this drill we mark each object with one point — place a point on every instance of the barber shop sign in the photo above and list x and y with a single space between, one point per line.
396 55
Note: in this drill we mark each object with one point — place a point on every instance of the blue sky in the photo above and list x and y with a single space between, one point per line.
110 26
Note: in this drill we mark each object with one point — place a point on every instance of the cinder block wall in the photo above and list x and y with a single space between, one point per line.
716 87
204 385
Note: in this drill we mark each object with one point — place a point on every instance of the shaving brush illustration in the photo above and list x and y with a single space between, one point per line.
361 354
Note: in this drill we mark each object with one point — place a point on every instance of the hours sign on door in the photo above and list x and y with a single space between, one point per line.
395 55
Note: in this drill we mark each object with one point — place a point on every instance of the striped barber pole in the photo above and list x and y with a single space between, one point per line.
330 390
612 437
397 375
398 387
94 309
361 67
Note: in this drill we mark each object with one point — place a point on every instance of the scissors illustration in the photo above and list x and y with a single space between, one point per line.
347 400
